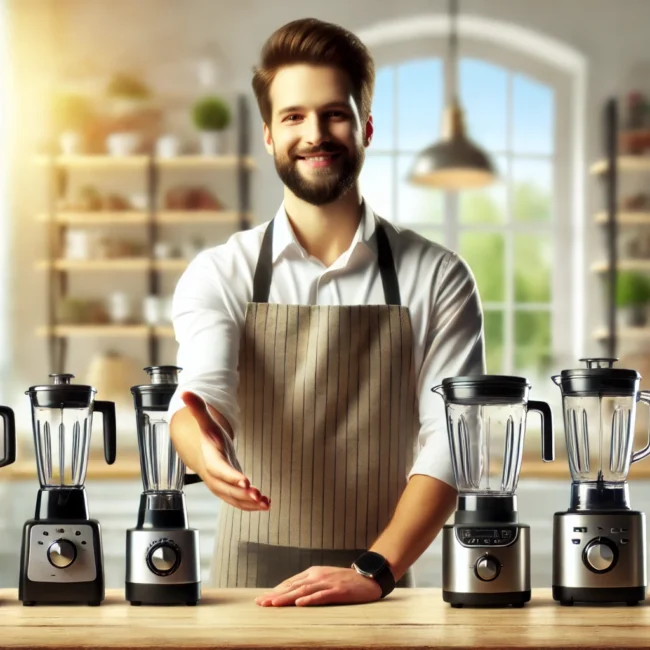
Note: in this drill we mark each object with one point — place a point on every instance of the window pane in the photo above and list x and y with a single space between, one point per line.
432 234
488 205
532 193
533 267
484 252
532 342
416 204
493 329
377 185
383 114
484 96
532 116
419 108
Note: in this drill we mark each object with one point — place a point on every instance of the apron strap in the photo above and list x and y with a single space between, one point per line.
385 260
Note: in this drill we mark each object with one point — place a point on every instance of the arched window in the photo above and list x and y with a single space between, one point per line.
518 236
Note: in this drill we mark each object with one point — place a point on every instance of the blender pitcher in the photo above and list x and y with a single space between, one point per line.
62 420
486 423
162 468
599 407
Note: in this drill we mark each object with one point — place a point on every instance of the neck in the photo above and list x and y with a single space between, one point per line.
325 231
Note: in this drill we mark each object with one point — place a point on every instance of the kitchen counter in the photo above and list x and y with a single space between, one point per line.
409 618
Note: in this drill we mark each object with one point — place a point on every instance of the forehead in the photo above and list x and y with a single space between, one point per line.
309 86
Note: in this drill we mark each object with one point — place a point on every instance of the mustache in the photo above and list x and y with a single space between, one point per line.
325 147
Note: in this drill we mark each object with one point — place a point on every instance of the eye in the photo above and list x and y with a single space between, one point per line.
337 114
293 117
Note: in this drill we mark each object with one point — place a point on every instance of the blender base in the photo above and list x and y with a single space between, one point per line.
568 596
42 582
178 594
513 599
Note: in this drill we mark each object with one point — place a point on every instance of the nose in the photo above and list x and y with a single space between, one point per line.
316 130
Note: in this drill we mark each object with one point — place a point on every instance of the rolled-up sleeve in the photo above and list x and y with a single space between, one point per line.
454 346
207 330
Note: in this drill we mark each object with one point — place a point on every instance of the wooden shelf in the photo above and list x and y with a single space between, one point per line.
626 218
629 333
171 265
623 265
96 218
117 331
625 163
204 162
117 264
201 216
94 161
140 217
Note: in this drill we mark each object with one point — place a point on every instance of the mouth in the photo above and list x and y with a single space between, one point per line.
318 160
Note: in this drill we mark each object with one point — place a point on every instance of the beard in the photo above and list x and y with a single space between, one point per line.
326 185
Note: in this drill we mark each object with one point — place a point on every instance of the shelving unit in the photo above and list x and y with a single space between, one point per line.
152 218
613 219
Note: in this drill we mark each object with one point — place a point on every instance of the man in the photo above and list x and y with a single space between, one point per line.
313 341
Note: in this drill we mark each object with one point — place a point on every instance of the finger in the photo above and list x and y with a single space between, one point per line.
226 490
329 596
303 591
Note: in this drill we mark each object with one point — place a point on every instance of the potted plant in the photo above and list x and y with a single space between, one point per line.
632 298
72 115
129 98
211 116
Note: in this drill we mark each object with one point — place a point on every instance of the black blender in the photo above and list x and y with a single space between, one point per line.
162 551
61 558
486 552
599 543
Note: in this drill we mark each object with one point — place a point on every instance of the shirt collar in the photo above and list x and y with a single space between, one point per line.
284 236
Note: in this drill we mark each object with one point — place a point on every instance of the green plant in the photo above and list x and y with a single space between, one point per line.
71 112
632 289
127 86
211 114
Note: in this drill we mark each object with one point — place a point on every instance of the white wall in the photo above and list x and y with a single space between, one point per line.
164 37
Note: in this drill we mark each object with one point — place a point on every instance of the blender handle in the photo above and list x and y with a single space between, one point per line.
190 479
548 440
107 409
9 426
644 396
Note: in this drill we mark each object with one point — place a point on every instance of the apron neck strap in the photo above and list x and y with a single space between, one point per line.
264 268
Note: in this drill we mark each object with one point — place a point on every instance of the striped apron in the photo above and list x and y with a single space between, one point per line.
329 425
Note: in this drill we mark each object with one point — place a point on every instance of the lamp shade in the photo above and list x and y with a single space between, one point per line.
455 162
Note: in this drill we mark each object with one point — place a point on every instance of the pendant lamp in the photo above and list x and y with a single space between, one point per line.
455 162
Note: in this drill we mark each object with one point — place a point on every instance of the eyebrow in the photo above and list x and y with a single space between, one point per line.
297 109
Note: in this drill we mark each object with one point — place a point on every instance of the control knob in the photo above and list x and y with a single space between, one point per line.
487 568
61 553
600 555
163 557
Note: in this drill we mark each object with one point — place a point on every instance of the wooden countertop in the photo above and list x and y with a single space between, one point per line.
409 618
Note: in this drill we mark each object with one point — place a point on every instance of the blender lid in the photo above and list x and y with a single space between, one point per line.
482 389
599 377
61 393
157 394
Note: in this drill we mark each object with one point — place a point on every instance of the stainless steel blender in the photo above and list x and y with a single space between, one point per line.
61 559
486 552
162 552
599 544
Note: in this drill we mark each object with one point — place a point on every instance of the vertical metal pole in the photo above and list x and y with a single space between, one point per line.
243 173
152 236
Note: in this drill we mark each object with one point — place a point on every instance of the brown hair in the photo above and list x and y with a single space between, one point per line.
313 41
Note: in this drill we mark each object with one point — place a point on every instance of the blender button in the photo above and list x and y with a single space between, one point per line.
576 541
83 543
614 531
40 542
77 532
623 530
60 530
45 533
623 540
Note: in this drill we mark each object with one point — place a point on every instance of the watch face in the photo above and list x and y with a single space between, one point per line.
371 563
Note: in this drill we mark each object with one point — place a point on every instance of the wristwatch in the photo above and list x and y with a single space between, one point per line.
372 565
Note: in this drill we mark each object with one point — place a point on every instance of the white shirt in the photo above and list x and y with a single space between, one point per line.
435 284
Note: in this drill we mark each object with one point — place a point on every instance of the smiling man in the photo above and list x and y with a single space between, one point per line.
312 343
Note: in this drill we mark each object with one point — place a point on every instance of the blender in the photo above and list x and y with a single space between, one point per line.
61 558
486 551
599 547
162 552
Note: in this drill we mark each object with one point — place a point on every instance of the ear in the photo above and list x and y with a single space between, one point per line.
370 129
268 140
